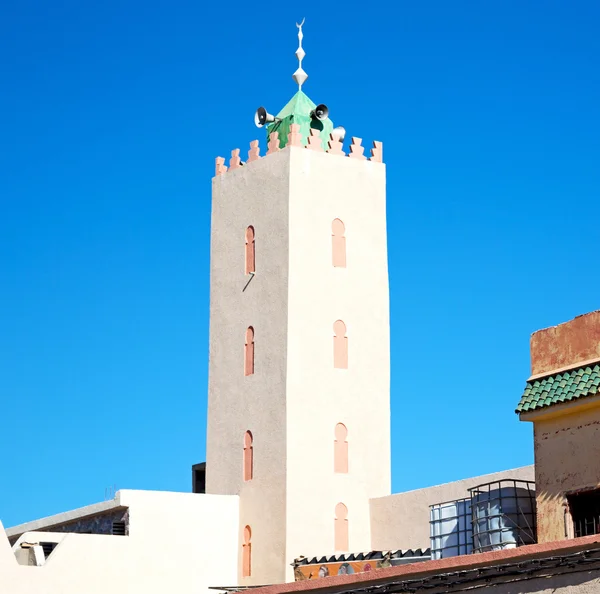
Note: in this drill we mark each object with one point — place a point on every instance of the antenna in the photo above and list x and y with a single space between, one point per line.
300 76
110 492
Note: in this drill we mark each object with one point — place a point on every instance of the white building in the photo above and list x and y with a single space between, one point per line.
165 542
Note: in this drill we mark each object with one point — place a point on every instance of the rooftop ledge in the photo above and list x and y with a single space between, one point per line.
428 569
67 517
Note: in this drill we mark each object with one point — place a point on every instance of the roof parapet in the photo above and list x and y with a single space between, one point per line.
294 138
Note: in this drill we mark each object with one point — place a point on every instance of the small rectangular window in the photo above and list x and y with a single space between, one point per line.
585 512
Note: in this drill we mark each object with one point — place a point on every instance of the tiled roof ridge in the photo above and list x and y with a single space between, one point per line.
560 387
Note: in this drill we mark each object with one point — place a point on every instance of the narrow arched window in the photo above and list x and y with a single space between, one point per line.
250 250
248 465
340 345
338 244
249 352
340 449
341 528
247 553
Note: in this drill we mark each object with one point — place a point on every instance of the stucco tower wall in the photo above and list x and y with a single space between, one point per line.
324 187
567 460
257 195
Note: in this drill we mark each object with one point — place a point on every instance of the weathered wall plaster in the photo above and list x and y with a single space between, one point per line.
566 344
567 458
258 195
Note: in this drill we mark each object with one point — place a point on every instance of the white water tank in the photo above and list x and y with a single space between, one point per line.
503 515
450 529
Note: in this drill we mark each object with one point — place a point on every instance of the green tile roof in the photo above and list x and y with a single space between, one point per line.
297 111
561 387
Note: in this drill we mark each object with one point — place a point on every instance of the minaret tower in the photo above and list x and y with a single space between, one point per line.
299 373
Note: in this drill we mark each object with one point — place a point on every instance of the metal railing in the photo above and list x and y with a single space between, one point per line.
586 526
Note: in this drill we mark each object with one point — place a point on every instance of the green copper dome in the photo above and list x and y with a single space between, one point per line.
297 111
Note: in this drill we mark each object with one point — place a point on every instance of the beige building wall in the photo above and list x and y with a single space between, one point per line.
401 520
178 542
567 459
295 398
256 195
325 187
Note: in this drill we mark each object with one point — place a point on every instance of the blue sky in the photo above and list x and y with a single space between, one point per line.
113 114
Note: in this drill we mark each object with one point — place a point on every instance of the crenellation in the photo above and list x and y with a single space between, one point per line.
273 143
356 149
377 151
235 161
336 146
220 166
254 152
314 141
294 138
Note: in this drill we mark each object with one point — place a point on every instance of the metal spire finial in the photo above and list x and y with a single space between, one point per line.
300 76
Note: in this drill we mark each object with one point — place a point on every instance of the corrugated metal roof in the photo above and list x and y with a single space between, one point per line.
372 555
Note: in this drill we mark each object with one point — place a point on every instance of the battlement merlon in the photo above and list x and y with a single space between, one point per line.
294 138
